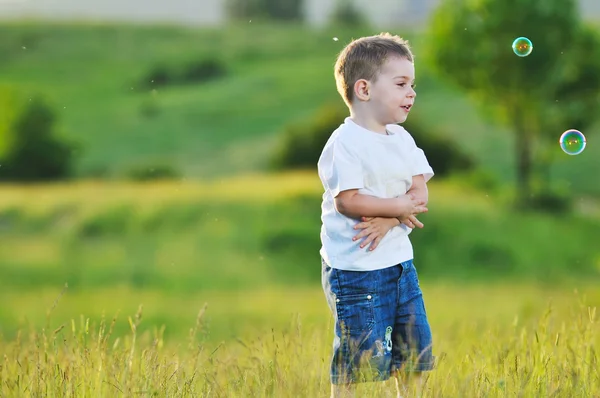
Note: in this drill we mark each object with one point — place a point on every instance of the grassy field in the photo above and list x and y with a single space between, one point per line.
97 77
172 234
490 340
213 289
251 232
209 285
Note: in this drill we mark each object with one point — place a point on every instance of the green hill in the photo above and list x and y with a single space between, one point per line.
119 244
99 78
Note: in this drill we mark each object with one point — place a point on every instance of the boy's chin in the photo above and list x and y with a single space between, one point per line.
401 119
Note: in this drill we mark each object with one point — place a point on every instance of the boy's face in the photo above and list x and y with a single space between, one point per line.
392 94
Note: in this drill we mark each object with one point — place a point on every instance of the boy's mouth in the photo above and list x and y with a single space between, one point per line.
407 107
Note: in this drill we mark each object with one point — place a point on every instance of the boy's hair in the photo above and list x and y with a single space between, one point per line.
363 59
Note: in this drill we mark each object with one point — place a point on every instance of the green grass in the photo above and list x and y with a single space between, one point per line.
248 246
178 239
491 340
259 230
276 75
511 297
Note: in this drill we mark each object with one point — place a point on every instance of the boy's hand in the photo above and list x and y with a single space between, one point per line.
411 206
374 229
411 222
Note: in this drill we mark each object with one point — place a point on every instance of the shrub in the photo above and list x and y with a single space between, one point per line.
203 70
346 14
32 150
551 201
153 172
443 154
286 10
197 71
159 75
302 143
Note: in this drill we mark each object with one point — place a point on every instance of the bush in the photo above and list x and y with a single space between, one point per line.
285 10
443 154
551 201
32 149
153 172
203 70
159 76
302 143
197 71
346 14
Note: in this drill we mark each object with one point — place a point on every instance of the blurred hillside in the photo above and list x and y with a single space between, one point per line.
181 12
211 102
206 109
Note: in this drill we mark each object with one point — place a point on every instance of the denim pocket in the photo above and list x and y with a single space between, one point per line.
356 312
408 286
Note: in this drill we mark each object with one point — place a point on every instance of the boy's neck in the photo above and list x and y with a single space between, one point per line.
367 122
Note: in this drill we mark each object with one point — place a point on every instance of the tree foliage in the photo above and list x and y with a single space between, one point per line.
539 96
31 149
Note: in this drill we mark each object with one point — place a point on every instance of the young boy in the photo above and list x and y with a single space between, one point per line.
374 178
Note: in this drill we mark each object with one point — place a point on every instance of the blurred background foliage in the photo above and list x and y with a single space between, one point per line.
170 160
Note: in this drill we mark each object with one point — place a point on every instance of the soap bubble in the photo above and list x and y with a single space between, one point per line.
522 46
572 142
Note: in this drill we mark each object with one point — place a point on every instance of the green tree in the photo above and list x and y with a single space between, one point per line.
8 115
33 152
538 96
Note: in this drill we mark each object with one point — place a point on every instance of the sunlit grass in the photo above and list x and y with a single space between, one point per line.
261 187
247 248
256 230
491 340
94 195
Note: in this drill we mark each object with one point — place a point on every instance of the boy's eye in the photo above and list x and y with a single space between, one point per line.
413 85
402 84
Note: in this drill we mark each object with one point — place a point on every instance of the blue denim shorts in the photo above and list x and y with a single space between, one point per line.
381 325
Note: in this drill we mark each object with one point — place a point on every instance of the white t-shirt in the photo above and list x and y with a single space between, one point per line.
377 165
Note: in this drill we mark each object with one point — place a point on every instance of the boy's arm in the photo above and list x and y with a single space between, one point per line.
420 192
354 205
419 189
341 171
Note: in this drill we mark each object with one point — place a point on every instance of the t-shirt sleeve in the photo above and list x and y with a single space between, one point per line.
343 170
419 160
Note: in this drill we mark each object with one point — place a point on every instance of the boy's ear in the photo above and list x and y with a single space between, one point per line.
362 90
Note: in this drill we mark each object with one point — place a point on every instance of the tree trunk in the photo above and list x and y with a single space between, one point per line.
523 152
545 165
524 168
